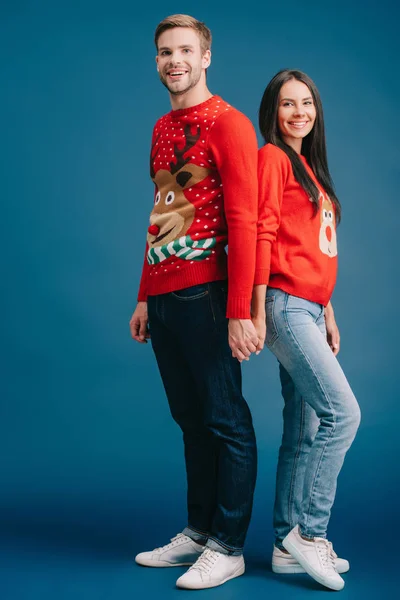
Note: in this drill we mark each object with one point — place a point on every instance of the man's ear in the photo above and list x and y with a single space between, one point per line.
206 60
157 63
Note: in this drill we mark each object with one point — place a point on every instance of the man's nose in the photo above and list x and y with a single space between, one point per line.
175 58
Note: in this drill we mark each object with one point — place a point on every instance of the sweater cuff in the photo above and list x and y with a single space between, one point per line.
261 277
238 308
142 297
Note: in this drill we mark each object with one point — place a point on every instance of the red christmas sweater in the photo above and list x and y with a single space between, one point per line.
296 249
204 166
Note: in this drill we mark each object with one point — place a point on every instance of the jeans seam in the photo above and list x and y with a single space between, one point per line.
204 534
296 459
210 297
271 306
231 548
190 298
330 406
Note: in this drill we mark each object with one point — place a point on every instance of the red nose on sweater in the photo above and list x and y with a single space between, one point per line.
154 230
328 232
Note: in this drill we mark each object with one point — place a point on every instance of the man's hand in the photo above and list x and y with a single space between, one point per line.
260 325
242 337
138 323
332 331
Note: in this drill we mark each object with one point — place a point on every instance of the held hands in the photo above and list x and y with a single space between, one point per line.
138 323
260 325
243 338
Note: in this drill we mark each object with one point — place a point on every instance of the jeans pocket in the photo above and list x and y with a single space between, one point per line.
272 331
191 293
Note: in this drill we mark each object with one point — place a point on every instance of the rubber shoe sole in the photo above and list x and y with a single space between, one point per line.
282 570
200 586
332 585
146 562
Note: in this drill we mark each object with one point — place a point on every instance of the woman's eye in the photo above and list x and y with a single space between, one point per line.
170 198
158 197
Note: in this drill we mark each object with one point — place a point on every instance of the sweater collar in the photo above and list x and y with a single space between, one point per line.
176 114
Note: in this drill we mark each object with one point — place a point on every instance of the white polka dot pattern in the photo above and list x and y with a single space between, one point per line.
173 156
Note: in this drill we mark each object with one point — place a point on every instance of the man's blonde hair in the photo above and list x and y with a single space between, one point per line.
185 21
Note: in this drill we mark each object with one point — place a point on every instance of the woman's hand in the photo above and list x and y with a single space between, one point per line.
260 326
332 330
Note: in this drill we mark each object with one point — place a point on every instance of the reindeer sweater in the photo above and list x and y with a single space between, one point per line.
204 166
296 249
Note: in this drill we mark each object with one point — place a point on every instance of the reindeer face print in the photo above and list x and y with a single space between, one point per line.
173 213
327 232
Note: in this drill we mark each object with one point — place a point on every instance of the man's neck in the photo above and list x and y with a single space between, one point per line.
192 98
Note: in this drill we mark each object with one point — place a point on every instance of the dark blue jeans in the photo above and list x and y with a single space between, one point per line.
189 334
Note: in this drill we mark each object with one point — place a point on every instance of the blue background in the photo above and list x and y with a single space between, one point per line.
91 463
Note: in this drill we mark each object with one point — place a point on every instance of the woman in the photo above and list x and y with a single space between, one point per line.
297 259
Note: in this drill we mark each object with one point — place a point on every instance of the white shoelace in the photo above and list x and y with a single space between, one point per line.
206 561
180 538
326 554
333 552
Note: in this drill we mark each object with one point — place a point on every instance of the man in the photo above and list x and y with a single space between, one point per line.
204 166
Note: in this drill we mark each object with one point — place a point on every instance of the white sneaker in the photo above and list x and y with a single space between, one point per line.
212 568
284 563
181 552
315 557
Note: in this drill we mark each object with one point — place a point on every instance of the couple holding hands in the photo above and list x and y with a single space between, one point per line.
207 310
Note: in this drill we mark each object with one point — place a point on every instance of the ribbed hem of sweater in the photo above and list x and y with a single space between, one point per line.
261 277
237 307
302 289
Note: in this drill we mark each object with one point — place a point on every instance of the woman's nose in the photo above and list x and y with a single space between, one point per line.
299 111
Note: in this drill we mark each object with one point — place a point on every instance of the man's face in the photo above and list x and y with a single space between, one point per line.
180 62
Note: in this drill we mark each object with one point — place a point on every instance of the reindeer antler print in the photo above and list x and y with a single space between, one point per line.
152 157
190 142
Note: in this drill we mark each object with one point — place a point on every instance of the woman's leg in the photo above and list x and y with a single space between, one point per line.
294 334
300 424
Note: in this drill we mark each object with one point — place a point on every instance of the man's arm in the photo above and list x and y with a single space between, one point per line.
233 142
139 319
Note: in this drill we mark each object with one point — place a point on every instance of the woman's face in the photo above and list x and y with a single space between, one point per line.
296 112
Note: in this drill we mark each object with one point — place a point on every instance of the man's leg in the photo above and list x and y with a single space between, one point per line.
186 409
203 333
200 455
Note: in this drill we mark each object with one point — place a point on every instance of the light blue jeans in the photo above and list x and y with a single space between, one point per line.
320 416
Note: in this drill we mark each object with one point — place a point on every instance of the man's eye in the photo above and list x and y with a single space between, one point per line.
186 50
165 53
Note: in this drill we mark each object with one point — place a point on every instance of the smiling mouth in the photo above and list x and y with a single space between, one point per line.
298 124
162 236
176 74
